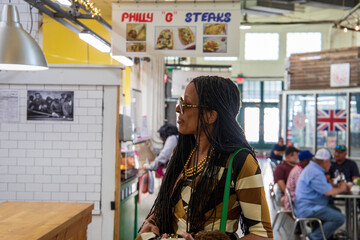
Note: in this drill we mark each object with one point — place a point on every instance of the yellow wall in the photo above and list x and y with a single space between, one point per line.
63 46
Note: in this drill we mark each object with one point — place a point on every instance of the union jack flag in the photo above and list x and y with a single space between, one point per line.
331 120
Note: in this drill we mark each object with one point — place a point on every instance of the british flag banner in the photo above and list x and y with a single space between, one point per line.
331 120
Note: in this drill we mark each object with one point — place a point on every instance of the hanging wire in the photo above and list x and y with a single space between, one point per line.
31 19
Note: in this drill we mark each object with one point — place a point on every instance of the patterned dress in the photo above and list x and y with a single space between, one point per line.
247 200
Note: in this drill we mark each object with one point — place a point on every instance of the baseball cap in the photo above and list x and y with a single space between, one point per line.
323 154
340 148
290 150
305 155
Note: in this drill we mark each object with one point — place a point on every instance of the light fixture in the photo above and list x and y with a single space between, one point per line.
124 60
245 27
345 30
95 41
357 28
65 2
18 50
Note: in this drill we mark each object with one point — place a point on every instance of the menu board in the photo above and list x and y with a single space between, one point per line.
175 29
9 106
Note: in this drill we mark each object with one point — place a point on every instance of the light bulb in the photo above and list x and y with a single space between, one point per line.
357 28
345 30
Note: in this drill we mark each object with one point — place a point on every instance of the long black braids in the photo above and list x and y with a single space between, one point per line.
221 95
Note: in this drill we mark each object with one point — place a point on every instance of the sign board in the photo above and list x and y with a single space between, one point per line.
340 75
9 106
180 79
176 29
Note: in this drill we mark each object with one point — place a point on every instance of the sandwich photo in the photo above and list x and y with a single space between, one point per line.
165 39
215 29
135 47
135 32
186 36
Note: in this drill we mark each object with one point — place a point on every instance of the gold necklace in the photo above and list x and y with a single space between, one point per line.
197 168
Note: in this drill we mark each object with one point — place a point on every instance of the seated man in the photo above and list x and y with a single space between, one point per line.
277 151
282 170
344 165
313 193
304 158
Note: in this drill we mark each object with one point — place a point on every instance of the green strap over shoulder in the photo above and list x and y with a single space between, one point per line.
225 207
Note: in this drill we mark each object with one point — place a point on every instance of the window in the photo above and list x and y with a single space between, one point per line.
300 42
262 46
355 125
251 91
252 124
271 130
272 91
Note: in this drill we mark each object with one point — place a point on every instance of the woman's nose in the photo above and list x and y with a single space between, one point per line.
177 108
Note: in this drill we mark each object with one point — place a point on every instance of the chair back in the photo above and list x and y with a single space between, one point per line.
287 193
273 196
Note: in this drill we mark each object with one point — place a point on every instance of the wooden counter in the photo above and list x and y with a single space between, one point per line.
44 220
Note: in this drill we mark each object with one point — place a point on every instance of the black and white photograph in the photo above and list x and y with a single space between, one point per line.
50 105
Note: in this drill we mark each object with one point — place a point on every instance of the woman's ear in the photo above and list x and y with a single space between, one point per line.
211 116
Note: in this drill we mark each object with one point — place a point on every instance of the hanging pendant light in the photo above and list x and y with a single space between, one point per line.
18 50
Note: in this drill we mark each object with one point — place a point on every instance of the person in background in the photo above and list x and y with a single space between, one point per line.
282 170
304 158
344 165
169 136
313 194
278 151
191 195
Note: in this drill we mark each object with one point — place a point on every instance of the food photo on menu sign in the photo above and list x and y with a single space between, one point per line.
215 38
136 37
175 38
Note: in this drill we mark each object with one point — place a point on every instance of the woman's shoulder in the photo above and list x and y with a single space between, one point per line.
244 160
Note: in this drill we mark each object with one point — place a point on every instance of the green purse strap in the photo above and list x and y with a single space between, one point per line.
225 207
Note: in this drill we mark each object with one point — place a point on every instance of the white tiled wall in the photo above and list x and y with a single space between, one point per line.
53 160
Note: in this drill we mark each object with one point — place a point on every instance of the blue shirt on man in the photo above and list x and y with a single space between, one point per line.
310 189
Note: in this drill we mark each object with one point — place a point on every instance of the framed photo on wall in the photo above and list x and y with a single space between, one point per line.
50 105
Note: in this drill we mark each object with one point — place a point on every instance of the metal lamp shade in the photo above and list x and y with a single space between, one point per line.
18 50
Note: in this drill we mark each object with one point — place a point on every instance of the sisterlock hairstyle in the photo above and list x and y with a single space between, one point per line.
221 95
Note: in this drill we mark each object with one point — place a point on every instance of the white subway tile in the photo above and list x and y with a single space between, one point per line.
17 152
100 88
42 179
99 119
87 103
23 9
43 162
16 170
87 119
53 87
8 144
24 195
33 187
79 111
69 136
78 145
87 153
4 153
17 136
59 196
79 128
44 127
4 170
61 145
59 179
95 111
52 136
77 196
69 153
69 170
69 88
51 187
52 153
93 179
77 162
4 135
27 127
36 153
34 136
86 171
97 128
3 187
9 127
25 178
97 187
94 145
98 153
68 187
87 87
42 196
36 87
77 179
98 171
4 86
43 144
6 161
86 188
95 94
26 144
98 137
60 162
34 170
93 162
99 103
81 94
16 187
26 161
93 196
96 206
8 196
87 136
61 128
52 170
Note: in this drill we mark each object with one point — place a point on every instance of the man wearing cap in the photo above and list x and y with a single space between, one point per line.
282 170
346 166
304 158
313 193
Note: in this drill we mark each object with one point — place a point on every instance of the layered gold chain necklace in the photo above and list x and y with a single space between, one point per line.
188 172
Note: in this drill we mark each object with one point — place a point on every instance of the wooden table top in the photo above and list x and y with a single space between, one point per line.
39 220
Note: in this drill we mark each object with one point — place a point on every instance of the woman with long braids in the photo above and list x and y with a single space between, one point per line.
190 198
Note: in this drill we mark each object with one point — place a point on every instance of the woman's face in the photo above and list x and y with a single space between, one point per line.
188 121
